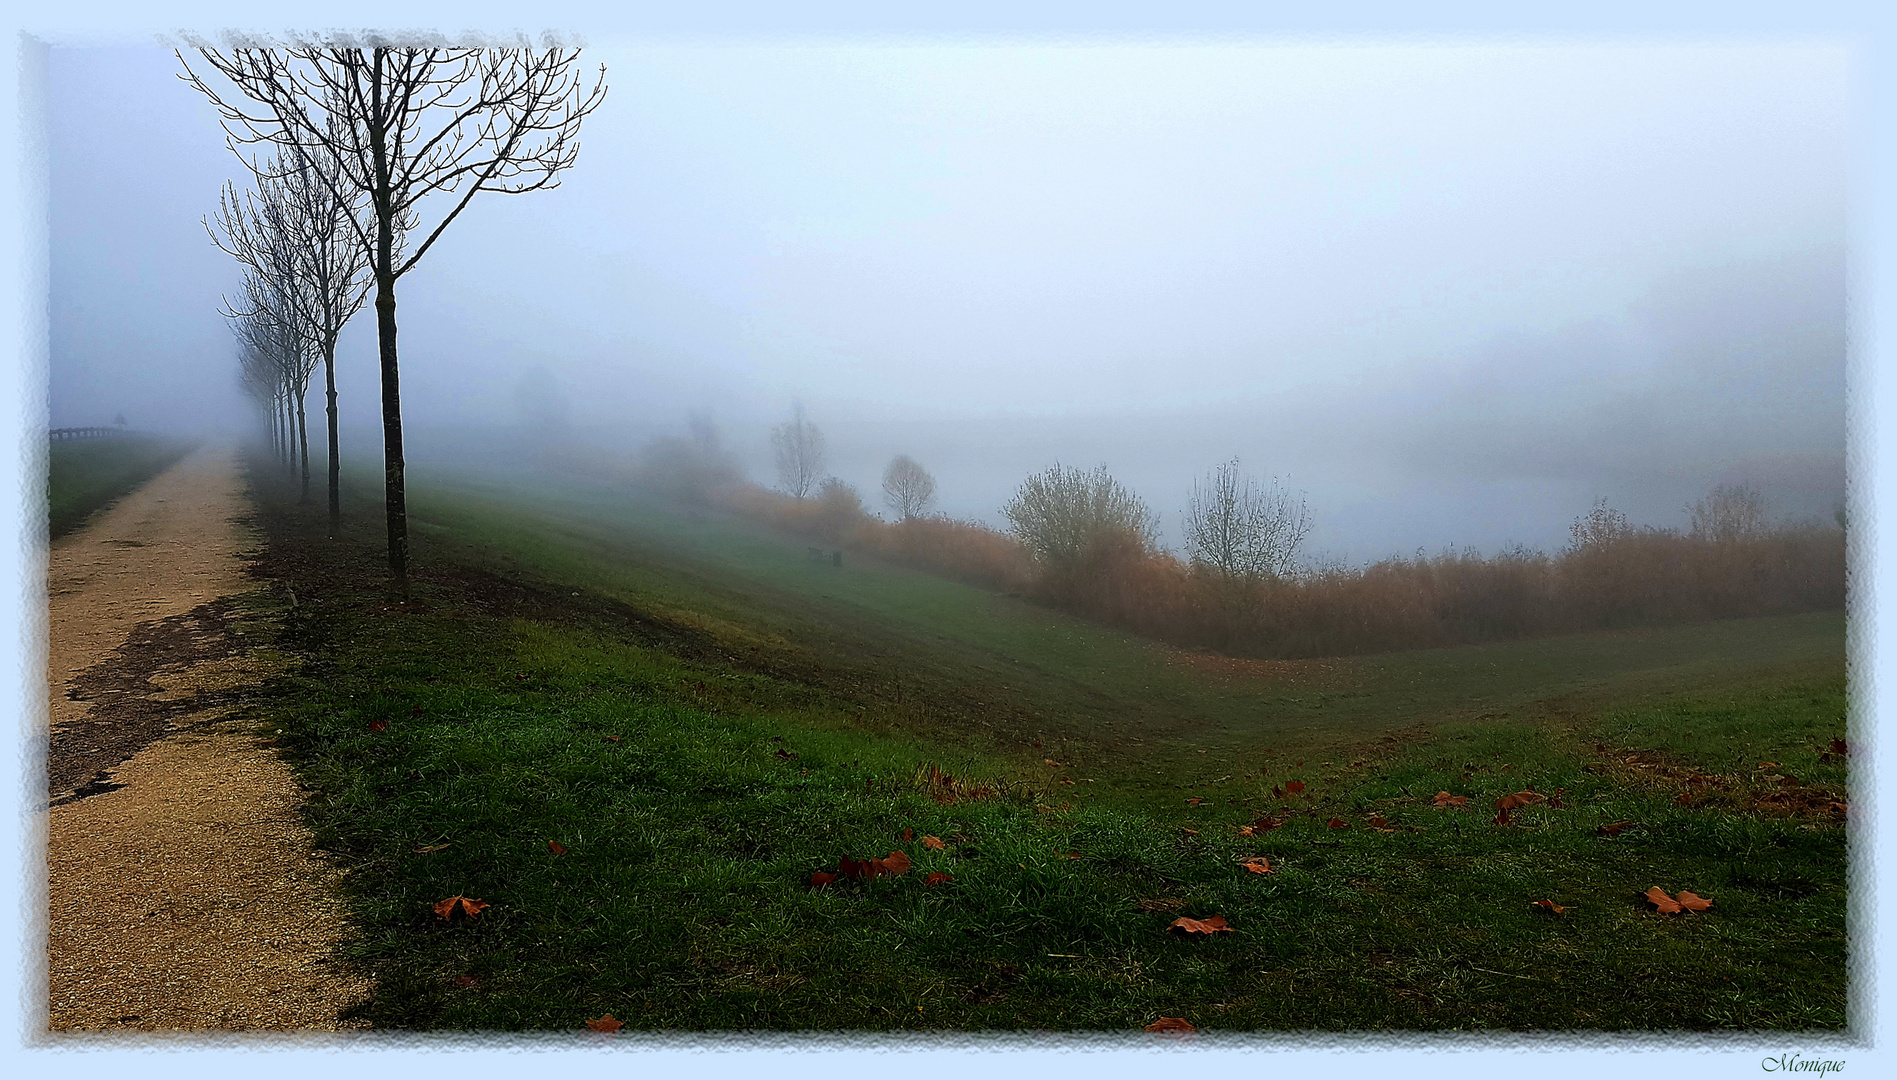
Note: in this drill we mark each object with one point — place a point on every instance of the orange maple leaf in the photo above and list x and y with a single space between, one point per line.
1257 864
1674 905
933 843
907 834
605 1023
469 907
556 847
1266 824
1548 905
1377 822
1213 925
937 878
1246 830
1170 1023
1294 786
1501 816
1194 802
1443 798
1614 829
1338 823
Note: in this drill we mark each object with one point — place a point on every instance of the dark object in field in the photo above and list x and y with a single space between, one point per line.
1170 1023
837 557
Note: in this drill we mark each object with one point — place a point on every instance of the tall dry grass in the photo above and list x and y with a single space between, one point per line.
1612 576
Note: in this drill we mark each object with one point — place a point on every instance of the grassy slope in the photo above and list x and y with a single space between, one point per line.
604 692
87 474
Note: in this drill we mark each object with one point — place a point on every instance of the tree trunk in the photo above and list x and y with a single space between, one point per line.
303 436
394 491
335 455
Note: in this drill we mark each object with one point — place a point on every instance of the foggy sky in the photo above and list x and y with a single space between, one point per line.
1454 294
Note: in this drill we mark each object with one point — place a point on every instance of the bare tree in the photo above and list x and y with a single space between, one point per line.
401 120
1729 512
1063 515
907 487
799 447
1242 532
303 237
1602 526
271 343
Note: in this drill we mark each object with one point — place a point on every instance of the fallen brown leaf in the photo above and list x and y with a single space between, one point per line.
605 1023
1213 925
938 878
469 907
932 843
1548 905
1443 798
1257 864
1674 905
556 847
1170 1023
1614 829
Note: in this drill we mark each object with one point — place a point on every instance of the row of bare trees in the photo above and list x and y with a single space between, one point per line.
360 145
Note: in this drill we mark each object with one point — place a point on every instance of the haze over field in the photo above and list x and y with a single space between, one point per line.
1453 293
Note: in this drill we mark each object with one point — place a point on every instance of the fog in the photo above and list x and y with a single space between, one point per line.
1452 293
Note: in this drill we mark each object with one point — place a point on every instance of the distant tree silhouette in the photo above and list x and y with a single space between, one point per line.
907 487
1064 515
1242 532
799 447
1729 512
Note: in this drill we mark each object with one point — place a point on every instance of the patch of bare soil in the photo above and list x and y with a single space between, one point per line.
1312 674
183 890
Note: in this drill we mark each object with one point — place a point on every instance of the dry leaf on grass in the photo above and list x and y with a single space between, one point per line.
1674 905
1443 798
556 847
1170 1023
938 878
1213 925
1257 864
1614 829
605 1023
469 907
1548 905
933 843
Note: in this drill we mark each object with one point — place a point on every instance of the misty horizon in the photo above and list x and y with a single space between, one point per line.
1454 294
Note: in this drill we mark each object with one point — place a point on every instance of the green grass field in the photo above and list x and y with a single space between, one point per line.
85 475
701 717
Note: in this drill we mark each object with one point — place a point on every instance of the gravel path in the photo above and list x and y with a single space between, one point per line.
183 891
